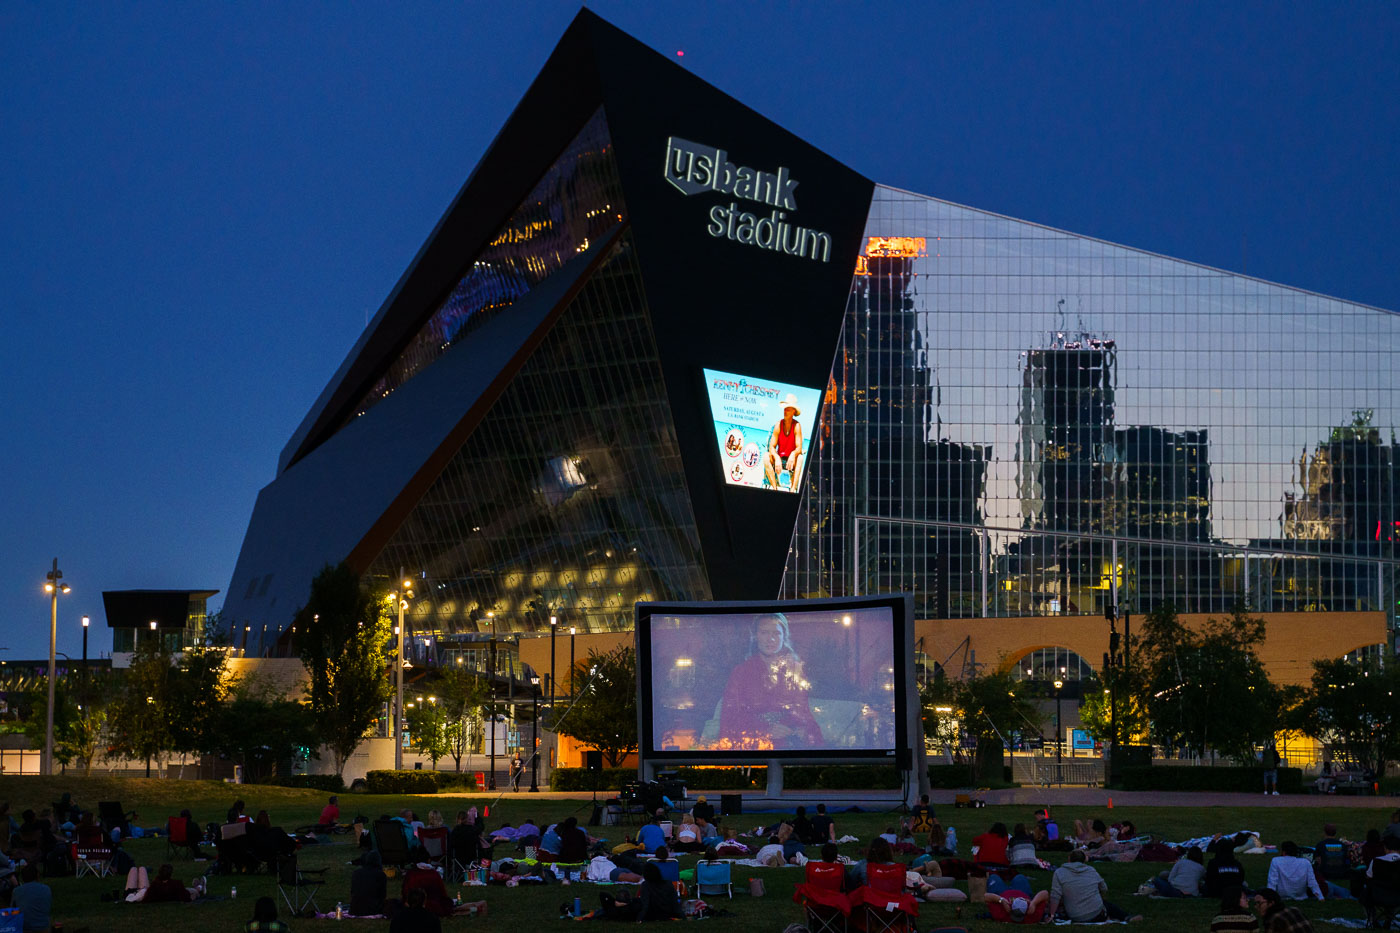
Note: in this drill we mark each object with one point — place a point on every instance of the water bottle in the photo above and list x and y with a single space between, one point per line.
578 907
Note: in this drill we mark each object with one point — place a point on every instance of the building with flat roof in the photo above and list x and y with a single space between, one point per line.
577 397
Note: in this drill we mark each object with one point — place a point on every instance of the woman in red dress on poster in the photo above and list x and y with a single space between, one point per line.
765 702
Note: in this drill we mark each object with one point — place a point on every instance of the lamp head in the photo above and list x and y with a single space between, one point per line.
86 620
67 588
1059 684
153 625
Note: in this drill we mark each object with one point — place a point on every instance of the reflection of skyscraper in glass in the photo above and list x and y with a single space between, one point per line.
1349 485
878 453
1162 484
1066 427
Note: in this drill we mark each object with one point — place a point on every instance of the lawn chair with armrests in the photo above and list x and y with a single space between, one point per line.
111 815
298 886
433 839
391 843
825 909
177 837
1382 894
887 908
93 853
714 878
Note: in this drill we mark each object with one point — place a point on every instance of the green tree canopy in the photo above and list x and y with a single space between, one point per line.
463 696
1354 708
604 712
342 639
1206 689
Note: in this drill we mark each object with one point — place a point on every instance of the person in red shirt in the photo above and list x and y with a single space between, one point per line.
330 813
166 887
991 845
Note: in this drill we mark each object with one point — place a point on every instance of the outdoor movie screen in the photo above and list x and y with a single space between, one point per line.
774 681
763 429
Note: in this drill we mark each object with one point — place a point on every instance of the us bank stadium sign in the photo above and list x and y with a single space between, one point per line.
694 168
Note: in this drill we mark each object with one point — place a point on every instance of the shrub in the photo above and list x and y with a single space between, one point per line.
575 779
330 783
402 782
1230 778
952 777
462 779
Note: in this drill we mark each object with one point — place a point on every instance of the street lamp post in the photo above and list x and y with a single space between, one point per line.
1059 728
402 597
155 639
491 730
86 622
553 628
535 739
573 630
53 587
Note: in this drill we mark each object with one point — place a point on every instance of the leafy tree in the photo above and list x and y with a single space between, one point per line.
463 697
604 714
1096 712
427 728
1206 689
1353 707
141 711
342 639
262 732
195 699
983 708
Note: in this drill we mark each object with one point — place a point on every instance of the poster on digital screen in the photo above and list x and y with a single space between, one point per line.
760 444
774 681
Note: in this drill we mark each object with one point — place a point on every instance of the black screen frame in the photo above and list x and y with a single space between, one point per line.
901 612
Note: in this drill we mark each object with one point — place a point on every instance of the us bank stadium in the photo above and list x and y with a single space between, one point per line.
659 348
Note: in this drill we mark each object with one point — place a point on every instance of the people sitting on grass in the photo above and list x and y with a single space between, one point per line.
1020 851
731 847
236 814
1013 902
1224 871
823 827
166 887
1277 917
1184 877
415 916
526 834
265 918
649 836
1291 878
1330 863
878 852
991 846
34 899
1077 890
656 898
1090 834
369 887
1234 915
688 836
192 833
601 868
330 815
1373 847
921 816
465 840
703 810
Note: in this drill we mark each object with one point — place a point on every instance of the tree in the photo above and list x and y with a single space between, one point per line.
195 699
1353 707
463 696
983 709
263 732
1097 712
427 727
140 714
342 639
1207 690
604 715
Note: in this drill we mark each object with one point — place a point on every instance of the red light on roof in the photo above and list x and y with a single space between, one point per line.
680 53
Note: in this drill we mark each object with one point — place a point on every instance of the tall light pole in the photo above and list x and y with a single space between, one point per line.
1059 729
573 630
86 622
53 587
491 732
155 639
535 739
402 597
553 628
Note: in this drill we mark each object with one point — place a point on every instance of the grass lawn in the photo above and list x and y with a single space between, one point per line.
77 901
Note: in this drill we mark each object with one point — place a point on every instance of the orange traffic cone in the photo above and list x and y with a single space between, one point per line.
487 814
1110 803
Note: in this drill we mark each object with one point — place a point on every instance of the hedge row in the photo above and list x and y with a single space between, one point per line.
416 782
1232 778
703 780
330 783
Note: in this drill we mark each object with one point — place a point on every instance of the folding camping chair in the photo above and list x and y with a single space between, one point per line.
111 815
434 842
92 855
670 869
391 842
825 909
887 908
1382 894
713 878
177 837
298 887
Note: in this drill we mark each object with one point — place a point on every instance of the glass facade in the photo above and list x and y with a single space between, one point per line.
578 199
1020 420
568 500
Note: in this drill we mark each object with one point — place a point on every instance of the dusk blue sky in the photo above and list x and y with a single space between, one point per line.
203 202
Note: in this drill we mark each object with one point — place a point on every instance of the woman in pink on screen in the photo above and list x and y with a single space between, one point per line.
765 702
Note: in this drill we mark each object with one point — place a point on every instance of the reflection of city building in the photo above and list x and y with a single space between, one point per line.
525 425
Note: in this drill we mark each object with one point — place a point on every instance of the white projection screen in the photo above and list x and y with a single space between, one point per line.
819 678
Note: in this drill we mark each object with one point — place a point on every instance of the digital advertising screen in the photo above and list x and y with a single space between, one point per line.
763 428
764 680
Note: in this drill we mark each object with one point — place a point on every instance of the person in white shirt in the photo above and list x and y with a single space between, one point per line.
1292 877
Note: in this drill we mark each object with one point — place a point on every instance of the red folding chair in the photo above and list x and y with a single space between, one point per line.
825 908
177 837
434 842
887 908
92 855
